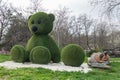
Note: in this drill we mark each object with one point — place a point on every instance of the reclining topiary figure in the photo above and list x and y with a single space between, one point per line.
40 48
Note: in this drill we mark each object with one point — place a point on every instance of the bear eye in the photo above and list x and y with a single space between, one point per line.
39 21
32 22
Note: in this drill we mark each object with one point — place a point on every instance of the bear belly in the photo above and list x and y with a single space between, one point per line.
41 40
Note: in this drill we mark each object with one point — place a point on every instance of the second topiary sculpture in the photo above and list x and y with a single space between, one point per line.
40 48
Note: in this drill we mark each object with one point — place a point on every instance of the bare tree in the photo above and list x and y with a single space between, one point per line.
94 34
35 6
61 25
18 32
78 30
86 24
5 20
103 29
109 8
114 38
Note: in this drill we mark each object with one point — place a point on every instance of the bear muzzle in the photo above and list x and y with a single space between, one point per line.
34 28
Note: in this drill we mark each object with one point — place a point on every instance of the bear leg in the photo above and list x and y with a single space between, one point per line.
40 55
18 54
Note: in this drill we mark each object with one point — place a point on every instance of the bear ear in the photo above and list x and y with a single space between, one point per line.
52 17
29 17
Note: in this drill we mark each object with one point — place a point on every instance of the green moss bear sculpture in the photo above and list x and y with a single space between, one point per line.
40 48
72 55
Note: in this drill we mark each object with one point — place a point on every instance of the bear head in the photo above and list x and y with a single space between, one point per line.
41 23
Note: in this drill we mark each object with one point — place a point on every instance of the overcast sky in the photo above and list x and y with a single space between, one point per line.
76 6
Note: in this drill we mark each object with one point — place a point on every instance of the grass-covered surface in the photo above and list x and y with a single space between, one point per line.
44 74
4 57
115 59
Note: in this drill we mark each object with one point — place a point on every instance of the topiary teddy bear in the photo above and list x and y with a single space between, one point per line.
40 48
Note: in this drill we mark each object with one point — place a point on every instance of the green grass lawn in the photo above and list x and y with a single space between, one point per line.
4 58
44 74
115 59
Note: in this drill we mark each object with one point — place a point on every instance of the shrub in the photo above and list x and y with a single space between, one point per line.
72 55
18 53
40 55
91 52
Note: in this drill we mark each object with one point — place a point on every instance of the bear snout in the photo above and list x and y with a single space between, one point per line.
34 28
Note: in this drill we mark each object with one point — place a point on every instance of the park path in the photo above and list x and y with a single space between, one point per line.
52 66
